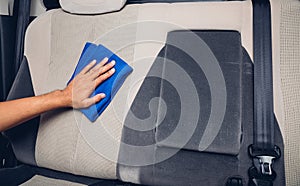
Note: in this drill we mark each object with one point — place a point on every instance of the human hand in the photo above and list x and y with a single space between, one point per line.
78 92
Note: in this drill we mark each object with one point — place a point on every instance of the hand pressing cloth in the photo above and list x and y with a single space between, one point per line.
110 86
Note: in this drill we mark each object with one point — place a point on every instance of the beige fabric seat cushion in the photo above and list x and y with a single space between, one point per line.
286 57
41 180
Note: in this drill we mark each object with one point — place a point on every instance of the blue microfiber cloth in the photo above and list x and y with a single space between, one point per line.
111 85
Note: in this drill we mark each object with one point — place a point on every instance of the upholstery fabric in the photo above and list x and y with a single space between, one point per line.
52 53
46 177
41 180
23 135
223 59
290 78
60 143
136 33
91 6
163 113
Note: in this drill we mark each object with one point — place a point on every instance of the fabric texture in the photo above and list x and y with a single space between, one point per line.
41 180
290 78
52 50
23 135
223 59
66 137
111 86
24 173
91 6
53 46
143 160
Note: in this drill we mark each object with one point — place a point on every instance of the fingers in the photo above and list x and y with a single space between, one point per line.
104 76
88 67
101 68
95 70
103 62
93 100
107 67
92 68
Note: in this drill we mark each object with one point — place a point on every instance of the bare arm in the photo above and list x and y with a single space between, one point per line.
76 95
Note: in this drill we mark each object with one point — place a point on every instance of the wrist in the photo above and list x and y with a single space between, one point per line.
64 99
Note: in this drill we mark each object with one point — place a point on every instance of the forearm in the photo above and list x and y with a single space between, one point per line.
76 95
18 111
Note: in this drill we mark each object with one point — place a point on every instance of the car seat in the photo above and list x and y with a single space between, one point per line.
186 110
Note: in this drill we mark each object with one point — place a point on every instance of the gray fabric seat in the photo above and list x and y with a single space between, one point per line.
148 107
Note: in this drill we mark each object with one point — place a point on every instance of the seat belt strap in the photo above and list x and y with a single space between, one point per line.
263 151
22 23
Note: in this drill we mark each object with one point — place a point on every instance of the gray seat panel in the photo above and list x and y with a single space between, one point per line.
23 135
163 164
225 47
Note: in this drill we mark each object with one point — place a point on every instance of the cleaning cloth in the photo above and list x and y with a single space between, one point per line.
110 86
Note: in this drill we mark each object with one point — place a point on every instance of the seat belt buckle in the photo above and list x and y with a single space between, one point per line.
265 164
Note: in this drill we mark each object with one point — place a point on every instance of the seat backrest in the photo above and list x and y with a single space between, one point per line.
54 36
138 33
